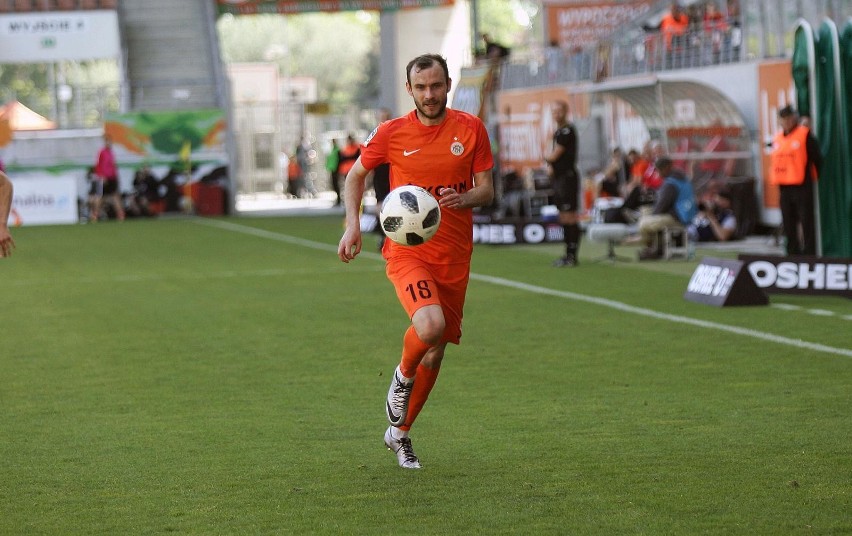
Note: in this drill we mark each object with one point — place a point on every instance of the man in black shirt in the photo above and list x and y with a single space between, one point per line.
566 181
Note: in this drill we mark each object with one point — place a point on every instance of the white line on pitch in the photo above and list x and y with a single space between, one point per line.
604 302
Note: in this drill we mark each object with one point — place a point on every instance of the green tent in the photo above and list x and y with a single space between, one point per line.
822 75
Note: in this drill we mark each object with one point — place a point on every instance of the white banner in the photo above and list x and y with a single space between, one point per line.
58 36
44 201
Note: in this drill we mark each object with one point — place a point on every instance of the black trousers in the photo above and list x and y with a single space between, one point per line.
797 209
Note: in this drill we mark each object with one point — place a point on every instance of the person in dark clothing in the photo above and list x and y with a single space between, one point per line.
494 51
715 221
381 181
566 181
145 192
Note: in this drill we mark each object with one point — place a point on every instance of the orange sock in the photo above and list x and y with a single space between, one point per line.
426 378
413 350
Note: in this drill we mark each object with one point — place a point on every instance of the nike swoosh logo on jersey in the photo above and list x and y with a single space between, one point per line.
409 153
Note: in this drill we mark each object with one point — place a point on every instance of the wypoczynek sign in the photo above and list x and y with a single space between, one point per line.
723 282
801 274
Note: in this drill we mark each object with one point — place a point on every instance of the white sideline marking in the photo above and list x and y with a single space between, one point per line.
797 343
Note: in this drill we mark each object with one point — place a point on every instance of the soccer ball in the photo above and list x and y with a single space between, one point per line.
410 215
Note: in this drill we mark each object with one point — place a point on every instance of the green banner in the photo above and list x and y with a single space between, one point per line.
168 133
822 74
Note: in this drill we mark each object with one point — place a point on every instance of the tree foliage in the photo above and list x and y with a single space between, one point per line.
341 50
333 48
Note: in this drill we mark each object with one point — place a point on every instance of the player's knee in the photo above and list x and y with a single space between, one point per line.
430 327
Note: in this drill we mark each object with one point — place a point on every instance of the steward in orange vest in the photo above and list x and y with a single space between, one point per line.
796 159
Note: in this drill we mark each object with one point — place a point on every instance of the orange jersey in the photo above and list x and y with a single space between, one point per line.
433 157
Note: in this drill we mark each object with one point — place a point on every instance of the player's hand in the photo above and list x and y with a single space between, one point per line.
350 245
450 198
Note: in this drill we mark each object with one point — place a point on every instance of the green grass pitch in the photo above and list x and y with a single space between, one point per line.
227 376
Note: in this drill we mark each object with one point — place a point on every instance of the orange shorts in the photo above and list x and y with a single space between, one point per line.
418 284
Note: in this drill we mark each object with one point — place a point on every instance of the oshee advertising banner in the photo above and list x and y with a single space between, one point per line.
168 133
253 7
801 274
44 201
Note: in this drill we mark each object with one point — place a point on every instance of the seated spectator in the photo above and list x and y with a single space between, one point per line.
514 195
641 190
145 192
715 221
675 206
615 175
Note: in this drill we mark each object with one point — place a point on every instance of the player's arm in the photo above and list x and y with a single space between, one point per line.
6 242
480 195
353 191
555 154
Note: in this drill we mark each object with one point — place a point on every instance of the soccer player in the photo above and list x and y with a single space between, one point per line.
6 242
448 153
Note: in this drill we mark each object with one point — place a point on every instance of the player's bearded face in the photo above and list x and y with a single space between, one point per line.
429 90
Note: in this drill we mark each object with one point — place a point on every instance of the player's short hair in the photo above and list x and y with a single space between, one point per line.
786 111
426 61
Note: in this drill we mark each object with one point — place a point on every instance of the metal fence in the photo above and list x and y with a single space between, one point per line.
643 53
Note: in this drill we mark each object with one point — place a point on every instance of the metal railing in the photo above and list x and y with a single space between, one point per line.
645 53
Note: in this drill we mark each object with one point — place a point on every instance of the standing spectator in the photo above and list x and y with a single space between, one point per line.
566 181
796 161
349 153
295 175
675 206
105 184
6 241
381 181
554 60
332 162
448 153
673 27
715 28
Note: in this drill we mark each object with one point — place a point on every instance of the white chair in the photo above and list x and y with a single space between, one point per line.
612 234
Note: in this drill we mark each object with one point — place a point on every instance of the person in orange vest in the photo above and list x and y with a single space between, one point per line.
673 28
349 153
295 177
796 160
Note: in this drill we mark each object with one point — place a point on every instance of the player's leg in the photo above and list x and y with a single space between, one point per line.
808 218
418 294
96 197
567 199
453 289
789 220
118 205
